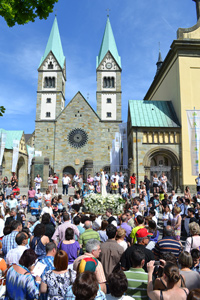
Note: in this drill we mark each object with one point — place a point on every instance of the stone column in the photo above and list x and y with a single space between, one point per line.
130 166
87 169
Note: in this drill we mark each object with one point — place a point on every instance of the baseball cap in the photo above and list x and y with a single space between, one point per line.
88 264
142 233
35 197
32 219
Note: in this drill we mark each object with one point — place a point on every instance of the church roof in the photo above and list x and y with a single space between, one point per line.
152 114
11 135
108 44
54 44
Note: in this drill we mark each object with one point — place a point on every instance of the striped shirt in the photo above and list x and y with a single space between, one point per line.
166 245
137 283
87 235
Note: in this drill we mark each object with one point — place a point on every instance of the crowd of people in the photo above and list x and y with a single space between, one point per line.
55 249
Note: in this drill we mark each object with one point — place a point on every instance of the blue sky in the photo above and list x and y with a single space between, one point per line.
138 28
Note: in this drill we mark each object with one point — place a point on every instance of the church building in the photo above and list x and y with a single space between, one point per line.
75 137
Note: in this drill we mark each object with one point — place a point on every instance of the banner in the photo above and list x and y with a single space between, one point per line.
123 132
2 145
38 153
193 117
15 154
30 157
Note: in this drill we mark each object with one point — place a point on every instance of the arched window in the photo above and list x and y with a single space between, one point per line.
50 65
49 82
48 114
108 82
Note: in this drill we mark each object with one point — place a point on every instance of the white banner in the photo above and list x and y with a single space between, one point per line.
2 146
115 153
123 132
30 157
193 117
38 153
15 154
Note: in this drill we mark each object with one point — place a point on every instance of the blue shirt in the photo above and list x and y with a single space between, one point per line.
34 204
8 242
48 261
81 230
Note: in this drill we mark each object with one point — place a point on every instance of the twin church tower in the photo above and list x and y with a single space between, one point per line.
72 135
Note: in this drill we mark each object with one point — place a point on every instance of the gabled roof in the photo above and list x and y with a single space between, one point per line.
108 44
54 44
152 114
10 136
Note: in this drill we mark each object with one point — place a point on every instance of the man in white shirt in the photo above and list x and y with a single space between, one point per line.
65 182
14 255
76 177
39 195
121 181
197 180
115 176
48 209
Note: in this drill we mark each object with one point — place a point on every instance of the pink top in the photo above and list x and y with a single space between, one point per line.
31 193
89 180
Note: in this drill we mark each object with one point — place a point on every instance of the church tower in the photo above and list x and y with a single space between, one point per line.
108 68
51 78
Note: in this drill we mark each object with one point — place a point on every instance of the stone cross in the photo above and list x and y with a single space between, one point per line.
197 8
108 10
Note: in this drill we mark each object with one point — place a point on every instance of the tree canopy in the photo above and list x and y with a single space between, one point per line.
2 110
24 11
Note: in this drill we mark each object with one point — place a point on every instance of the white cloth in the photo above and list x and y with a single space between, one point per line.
14 255
110 297
103 185
47 210
113 177
77 201
123 244
2 224
121 178
198 181
66 180
168 217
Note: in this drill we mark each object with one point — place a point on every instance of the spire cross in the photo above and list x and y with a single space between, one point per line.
108 11
56 12
197 8
88 96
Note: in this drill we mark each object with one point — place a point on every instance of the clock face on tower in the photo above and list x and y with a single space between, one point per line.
77 138
108 65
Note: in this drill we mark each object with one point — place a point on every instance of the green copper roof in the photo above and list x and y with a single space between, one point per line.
10 136
108 44
54 44
152 114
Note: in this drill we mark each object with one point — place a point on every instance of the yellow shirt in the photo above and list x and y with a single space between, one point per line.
134 231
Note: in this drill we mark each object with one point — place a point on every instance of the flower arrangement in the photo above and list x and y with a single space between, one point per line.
97 204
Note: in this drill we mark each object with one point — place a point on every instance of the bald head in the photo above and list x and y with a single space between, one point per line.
88 224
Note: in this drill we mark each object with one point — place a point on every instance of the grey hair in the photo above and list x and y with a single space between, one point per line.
194 228
88 224
92 245
14 209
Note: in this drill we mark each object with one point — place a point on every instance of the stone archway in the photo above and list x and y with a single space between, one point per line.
21 172
158 160
70 171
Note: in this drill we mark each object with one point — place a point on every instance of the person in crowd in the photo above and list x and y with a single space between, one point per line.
197 180
85 287
38 181
118 285
191 214
111 219
192 278
59 233
129 215
88 234
111 251
48 209
65 183
13 216
55 282
20 283
47 196
70 246
172 276
50 183
114 186
139 223
124 191
176 223
8 190
93 250
167 216
32 222
120 238
35 208
121 182
124 224
132 180
167 244
31 195
137 277
135 208
155 183
77 222
12 202
195 253
143 237
39 240
9 241
14 255
49 227
48 260
155 235
193 242
102 231
24 203
187 194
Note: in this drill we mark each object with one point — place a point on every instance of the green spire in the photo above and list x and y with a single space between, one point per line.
54 44
108 44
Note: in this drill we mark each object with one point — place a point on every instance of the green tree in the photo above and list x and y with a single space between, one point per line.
2 110
24 11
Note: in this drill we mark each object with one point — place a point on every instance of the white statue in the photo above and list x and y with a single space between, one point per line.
103 184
